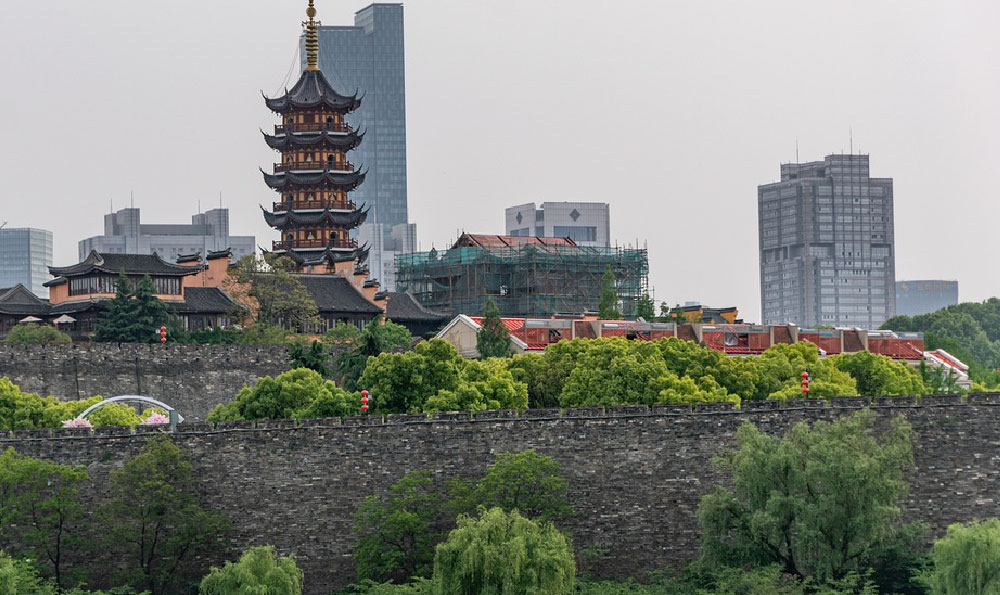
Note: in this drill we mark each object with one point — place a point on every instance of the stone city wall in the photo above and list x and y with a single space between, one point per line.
190 378
636 474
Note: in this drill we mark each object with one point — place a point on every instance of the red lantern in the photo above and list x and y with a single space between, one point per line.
364 408
364 400
805 382
805 389
805 374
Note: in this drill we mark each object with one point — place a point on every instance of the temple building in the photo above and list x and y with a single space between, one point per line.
314 214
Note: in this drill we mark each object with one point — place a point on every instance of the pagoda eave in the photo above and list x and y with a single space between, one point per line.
344 141
343 180
326 216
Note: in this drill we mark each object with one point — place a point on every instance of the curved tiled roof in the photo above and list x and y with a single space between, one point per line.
345 179
349 218
346 141
133 264
402 307
313 90
335 294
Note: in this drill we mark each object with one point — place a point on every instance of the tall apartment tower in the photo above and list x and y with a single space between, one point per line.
826 245
368 57
25 258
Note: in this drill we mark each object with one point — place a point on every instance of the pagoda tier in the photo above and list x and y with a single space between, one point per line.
313 91
326 139
293 218
341 180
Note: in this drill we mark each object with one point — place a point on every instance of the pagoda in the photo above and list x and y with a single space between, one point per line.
314 214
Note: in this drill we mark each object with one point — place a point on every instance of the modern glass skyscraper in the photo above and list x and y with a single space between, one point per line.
25 258
826 245
369 57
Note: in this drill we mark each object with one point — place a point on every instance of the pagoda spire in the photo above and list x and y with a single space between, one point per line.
312 38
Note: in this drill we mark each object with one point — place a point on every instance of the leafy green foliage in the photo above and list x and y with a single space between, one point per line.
343 334
493 339
18 577
294 394
154 520
482 385
967 560
313 357
40 509
135 315
396 536
504 553
28 411
402 382
781 366
815 502
376 339
608 308
526 481
259 570
644 308
36 333
877 375
278 298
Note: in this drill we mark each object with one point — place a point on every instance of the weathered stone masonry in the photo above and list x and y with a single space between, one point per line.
192 378
636 474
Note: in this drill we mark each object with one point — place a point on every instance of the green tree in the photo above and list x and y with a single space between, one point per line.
259 571
313 357
402 382
482 385
504 553
344 334
878 375
19 578
967 560
135 315
397 534
332 402
154 519
493 339
645 309
281 299
40 509
526 481
282 397
608 308
36 333
815 502
376 339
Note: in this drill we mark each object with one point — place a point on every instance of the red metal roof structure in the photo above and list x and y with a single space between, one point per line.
488 242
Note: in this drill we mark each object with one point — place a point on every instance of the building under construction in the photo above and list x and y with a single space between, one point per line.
526 276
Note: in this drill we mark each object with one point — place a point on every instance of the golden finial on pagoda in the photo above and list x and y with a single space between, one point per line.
312 38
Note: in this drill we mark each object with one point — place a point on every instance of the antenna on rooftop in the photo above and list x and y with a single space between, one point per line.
850 133
796 149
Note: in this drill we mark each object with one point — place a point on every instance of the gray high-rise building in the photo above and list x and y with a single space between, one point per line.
25 258
826 245
208 232
586 223
368 57
924 296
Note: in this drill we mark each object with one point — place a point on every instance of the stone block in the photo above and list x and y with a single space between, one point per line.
710 407
541 413
195 428
628 410
71 433
497 414
850 402
113 431
940 400
453 416
39 434
275 424
363 420
584 412
320 422
671 409
807 403
225 426
899 401
406 418
983 398
760 405
157 429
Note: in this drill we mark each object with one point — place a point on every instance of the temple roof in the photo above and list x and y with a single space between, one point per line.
335 294
347 141
402 307
309 257
313 90
471 240
346 179
20 300
130 264
205 300
347 218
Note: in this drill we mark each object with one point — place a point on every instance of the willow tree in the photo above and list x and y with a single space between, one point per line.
967 560
504 553
259 570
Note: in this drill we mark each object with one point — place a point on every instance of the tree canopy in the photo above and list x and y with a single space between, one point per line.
816 502
36 333
967 560
526 481
608 308
135 315
493 339
259 570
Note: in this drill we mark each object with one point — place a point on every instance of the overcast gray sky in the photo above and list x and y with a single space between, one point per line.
671 111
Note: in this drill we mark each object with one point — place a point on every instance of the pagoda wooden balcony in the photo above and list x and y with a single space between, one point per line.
303 205
313 244
341 127
313 166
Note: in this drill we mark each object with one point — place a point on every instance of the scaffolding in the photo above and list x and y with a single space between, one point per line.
527 281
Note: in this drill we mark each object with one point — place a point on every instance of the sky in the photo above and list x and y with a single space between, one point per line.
671 111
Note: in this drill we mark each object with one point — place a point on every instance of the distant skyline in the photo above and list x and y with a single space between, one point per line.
695 103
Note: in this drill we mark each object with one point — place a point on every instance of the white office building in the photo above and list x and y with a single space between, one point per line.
586 223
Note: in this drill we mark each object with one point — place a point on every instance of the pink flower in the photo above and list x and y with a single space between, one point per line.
156 419
77 422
